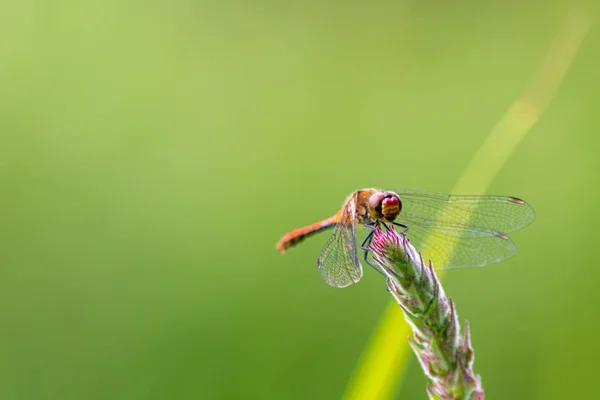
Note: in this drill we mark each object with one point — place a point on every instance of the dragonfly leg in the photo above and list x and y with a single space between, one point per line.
369 237
365 246
401 225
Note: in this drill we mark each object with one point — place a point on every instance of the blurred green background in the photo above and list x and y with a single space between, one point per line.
151 154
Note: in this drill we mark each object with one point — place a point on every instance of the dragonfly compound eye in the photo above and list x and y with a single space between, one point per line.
390 206
385 206
375 205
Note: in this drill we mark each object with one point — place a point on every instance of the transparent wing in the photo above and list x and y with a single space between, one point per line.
338 263
462 231
446 249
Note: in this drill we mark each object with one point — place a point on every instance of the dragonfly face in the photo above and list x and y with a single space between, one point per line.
385 206
373 205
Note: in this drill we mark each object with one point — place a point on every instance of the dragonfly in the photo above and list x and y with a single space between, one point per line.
454 231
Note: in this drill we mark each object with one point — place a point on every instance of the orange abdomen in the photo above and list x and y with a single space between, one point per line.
297 235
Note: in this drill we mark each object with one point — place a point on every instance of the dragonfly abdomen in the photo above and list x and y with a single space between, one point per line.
297 235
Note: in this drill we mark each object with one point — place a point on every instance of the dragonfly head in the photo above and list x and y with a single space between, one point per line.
385 206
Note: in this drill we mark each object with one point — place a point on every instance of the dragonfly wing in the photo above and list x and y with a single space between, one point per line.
447 250
463 231
338 263
496 213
